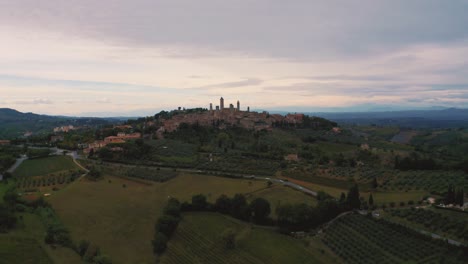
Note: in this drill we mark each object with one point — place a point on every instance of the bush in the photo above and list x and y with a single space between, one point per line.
159 243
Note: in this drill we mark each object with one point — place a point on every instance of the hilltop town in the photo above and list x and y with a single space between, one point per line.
222 117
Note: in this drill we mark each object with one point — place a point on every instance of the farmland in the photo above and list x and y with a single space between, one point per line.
453 225
28 237
278 195
197 240
360 239
46 174
381 197
118 214
45 166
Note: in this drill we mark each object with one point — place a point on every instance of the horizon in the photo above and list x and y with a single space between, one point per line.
327 111
115 58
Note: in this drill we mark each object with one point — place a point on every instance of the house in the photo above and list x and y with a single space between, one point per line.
4 142
54 139
298 235
292 157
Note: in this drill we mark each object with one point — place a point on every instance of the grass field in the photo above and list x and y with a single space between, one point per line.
380 197
25 244
120 220
330 148
279 194
13 249
197 240
45 166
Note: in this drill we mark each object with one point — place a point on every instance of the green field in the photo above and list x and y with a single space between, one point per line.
380 197
118 214
45 166
279 194
330 148
13 249
197 240
28 237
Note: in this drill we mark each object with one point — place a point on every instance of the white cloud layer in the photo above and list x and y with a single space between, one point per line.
83 56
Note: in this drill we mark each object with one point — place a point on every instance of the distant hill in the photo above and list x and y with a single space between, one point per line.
444 118
14 123
437 118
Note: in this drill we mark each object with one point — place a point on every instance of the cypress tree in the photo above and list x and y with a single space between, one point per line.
371 200
374 183
352 199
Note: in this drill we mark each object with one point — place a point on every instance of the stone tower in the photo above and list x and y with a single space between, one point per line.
221 103
238 105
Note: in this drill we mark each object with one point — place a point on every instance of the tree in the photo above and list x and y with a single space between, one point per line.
353 200
102 259
172 208
269 184
83 247
342 198
167 224
94 173
450 197
375 184
159 243
459 197
239 208
371 200
260 209
223 204
229 238
7 219
199 202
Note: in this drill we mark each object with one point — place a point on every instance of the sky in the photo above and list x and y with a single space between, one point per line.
129 58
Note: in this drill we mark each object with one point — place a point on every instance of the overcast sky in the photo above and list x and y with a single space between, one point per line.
122 57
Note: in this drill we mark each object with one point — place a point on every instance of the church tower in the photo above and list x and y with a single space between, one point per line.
221 103
238 105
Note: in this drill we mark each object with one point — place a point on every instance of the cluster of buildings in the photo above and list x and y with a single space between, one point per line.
4 142
120 138
64 129
232 116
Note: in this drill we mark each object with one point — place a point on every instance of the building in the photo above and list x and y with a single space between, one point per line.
238 105
4 142
221 103
54 139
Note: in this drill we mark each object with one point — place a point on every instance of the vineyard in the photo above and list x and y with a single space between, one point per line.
359 239
435 221
392 180
434 181
46 174
47 182
198 240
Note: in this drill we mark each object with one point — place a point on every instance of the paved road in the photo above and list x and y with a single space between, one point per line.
17 163
285 183
436 236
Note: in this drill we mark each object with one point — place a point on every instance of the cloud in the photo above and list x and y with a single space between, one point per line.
35 101
104 100
300 30
235 84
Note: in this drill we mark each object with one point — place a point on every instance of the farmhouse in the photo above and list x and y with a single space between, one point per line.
120 138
